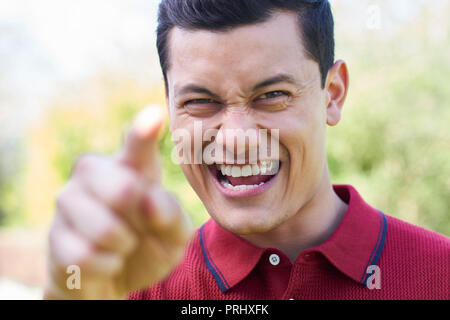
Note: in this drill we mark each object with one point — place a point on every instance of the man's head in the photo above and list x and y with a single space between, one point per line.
315 22
253 65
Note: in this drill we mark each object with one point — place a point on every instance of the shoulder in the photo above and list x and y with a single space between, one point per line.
414 261
412 239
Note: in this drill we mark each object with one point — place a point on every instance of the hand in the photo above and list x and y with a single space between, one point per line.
115 221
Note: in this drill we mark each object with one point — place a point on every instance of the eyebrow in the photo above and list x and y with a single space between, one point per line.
193 88
284 77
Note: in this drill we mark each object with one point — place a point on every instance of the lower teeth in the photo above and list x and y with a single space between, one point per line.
240 187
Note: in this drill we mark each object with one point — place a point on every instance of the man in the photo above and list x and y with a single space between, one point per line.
279 229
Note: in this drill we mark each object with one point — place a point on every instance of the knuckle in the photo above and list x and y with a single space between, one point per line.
84 163
168 208
107 235
177 216
114 237
63 197
127 190
82 258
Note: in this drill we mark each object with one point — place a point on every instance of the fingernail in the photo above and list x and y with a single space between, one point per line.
147 119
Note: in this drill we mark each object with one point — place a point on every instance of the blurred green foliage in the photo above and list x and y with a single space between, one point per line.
393 142
11 178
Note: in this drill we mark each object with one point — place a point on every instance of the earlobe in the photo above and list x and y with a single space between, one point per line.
333 113
336 87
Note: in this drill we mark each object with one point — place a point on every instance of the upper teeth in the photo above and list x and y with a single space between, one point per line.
265 167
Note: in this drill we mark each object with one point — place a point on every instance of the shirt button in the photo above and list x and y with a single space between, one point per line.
274 259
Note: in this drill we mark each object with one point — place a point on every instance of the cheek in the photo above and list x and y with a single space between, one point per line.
301 129
184 135
303 135
192 135
308 122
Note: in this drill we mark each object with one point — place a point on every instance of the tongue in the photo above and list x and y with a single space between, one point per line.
249 180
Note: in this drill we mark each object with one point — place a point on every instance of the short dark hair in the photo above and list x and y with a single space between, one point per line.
314 16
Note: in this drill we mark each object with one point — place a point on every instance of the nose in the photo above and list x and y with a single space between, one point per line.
239 136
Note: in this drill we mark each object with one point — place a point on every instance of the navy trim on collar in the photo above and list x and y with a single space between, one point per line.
215 271
376 252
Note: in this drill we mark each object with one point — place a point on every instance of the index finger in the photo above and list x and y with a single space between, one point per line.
140 151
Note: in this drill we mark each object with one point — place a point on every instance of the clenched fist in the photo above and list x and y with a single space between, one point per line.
115 221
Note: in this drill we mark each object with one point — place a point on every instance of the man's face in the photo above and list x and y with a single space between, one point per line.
220 79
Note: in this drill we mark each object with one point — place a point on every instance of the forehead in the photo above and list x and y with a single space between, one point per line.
240 55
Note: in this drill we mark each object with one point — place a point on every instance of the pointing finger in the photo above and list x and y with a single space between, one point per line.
140 151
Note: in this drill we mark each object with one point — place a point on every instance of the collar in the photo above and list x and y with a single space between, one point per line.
355 244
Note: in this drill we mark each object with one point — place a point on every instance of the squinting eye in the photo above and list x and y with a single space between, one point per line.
271 95
202 107
200 101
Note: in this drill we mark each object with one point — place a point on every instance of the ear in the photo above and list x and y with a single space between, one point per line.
336 88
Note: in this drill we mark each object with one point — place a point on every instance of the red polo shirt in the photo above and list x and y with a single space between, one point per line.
370 255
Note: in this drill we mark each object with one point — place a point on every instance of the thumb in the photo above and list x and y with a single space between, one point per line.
140 151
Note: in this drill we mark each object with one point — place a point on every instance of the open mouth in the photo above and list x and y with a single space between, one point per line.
247 179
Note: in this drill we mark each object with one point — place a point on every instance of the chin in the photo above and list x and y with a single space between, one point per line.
245 222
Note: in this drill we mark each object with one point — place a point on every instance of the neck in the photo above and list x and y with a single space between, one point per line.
312 225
